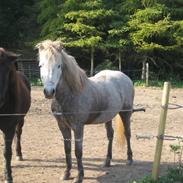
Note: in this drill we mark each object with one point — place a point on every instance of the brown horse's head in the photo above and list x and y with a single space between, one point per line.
7 68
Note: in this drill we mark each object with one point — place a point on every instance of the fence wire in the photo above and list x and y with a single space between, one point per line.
77 112
173 106
162 137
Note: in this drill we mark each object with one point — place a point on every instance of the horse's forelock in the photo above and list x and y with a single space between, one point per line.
53 46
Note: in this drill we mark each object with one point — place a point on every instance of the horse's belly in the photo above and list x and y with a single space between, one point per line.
102 118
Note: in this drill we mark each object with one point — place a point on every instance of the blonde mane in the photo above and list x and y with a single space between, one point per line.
72 74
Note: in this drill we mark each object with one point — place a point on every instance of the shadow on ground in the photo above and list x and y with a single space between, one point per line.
118 172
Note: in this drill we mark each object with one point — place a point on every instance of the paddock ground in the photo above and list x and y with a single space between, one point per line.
43 146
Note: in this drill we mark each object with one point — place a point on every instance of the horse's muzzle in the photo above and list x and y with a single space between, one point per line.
49 93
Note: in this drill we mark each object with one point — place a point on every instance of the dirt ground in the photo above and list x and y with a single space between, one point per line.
43 146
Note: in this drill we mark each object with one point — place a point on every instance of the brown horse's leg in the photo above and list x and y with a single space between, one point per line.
18 133
66 132
110 133
78 134
8 138
125 116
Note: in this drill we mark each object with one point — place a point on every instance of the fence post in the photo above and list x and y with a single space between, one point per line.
143 70
161 130
147 74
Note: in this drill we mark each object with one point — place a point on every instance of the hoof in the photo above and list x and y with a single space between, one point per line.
107 163
19 158
129 162
66 175
8 181
78 180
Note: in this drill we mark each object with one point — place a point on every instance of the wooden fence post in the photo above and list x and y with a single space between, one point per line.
161 130
147 74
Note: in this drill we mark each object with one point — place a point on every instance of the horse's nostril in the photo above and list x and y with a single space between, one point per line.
44 91
49 93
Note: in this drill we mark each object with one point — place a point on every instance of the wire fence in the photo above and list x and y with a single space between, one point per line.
171 106
162 137
76 112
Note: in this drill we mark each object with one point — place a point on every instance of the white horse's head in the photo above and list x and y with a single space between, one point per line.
50 63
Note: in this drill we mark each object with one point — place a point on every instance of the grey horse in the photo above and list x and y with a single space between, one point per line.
79 100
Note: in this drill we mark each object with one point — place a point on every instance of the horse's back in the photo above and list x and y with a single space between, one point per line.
117 82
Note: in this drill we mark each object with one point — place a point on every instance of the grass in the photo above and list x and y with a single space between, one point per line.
36 82
157 83
140 83
173 175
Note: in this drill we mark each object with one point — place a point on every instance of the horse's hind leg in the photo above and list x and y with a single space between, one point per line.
125 116
8 138
18 133
110 133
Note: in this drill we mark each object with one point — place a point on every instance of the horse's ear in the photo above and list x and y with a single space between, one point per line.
2 52
12 56
39 46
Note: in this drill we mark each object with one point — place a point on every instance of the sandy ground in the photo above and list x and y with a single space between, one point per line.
43 146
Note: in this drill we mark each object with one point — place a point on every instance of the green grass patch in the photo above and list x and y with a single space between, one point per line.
36 82
173 175
157 83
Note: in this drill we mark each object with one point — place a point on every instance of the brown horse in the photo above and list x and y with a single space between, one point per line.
15 102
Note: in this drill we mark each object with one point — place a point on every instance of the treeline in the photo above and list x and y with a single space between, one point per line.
120 34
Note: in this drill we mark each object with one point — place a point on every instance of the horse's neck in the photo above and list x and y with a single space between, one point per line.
13 90
63 93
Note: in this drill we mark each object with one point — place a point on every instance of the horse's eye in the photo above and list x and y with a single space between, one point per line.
59 66
40 66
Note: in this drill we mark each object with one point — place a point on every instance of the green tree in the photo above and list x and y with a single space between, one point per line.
118 32
76 23
150 30
17 22
86 27
155 35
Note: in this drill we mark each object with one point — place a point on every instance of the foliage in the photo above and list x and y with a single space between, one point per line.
105 65
133 31
158 83
36 82
16 18
173 175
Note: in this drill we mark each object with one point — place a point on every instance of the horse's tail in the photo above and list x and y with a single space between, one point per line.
119 128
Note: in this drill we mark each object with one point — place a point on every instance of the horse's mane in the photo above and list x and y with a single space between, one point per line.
13 87
73 75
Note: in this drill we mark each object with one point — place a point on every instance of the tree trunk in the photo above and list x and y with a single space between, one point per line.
92 61
119 58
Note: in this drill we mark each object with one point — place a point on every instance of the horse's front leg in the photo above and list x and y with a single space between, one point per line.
78 134
18 133
66 132
8 138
